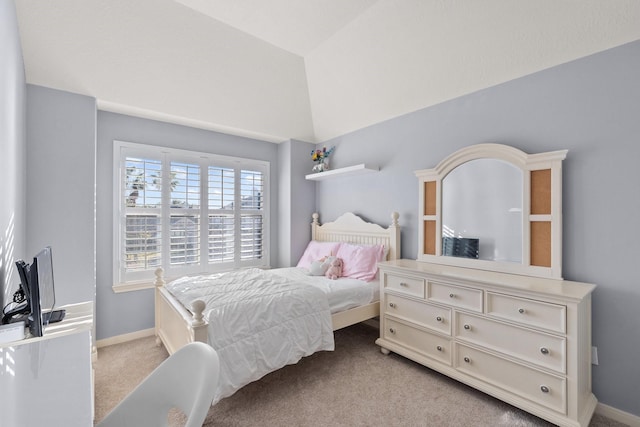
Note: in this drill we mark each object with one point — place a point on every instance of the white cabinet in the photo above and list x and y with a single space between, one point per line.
525 340
48 380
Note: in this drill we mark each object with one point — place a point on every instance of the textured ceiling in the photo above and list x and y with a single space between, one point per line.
297 26
304 69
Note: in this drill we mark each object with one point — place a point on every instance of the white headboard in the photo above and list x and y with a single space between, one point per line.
352 229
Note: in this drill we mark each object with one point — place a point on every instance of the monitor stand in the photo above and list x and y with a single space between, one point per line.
53 316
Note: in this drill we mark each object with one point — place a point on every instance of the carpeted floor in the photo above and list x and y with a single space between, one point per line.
355 385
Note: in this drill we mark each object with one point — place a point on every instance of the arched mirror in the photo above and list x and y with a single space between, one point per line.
482 211
493 207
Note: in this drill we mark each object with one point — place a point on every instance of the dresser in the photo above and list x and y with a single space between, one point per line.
522 339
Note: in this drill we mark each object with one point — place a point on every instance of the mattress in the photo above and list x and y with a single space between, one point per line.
343 293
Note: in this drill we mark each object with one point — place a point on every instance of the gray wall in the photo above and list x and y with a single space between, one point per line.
122 313
297 199
12 152
61 165
589 106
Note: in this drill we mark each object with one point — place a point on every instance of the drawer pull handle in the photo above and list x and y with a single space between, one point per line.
403 284
544 389
466 359
544 350
467 327
392 305
439 348
393 331
521 310
439 319
452 295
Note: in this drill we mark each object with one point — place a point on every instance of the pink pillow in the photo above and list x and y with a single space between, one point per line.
360 261
316 250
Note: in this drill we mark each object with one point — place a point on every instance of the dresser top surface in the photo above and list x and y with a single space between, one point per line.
552 287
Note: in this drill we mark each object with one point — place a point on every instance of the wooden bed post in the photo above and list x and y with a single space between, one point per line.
159 283
169 329
314 225
394 228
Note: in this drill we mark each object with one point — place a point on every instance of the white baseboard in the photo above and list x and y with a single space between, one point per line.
618 415
126 337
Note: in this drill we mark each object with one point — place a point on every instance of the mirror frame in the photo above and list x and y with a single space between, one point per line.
541 210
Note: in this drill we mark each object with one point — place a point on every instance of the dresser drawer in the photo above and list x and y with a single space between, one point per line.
456 296
420 341
528 312
540 387
409 285
426 315
545 350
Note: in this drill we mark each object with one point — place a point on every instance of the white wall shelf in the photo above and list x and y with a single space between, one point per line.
349 170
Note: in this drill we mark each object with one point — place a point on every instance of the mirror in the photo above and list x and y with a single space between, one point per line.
482 211
493 207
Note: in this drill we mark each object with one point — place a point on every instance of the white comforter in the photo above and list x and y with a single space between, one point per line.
258 322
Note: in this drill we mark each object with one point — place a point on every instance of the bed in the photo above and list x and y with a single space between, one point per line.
191 309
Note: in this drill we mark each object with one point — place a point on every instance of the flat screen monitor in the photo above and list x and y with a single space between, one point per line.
44 271
35 317
41 291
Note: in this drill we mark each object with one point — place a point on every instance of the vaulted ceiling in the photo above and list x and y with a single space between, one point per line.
303 69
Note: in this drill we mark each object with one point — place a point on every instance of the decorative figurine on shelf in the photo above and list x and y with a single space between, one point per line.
321 157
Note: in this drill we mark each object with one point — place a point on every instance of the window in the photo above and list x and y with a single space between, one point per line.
186 212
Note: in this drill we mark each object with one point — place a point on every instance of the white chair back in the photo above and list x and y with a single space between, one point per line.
186 380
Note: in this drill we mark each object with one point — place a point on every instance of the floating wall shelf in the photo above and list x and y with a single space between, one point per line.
349 170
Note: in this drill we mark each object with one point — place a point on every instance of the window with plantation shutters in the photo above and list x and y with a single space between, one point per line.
221 221
186 212
142 197
184 217
252 188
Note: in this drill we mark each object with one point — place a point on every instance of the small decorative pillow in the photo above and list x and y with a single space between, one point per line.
320 267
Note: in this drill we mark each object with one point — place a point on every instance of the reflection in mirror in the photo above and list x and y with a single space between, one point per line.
482 211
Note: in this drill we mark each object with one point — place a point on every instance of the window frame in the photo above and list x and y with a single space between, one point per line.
145 279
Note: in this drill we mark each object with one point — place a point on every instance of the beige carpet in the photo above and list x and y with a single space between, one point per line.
355 385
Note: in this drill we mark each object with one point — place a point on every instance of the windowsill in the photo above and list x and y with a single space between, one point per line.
133 286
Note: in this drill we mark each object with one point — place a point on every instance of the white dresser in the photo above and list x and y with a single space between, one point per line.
524 340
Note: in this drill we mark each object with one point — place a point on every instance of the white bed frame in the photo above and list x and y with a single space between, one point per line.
177 326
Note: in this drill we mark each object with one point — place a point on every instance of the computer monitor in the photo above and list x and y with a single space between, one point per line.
37 285
36 327
42 291
43 265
